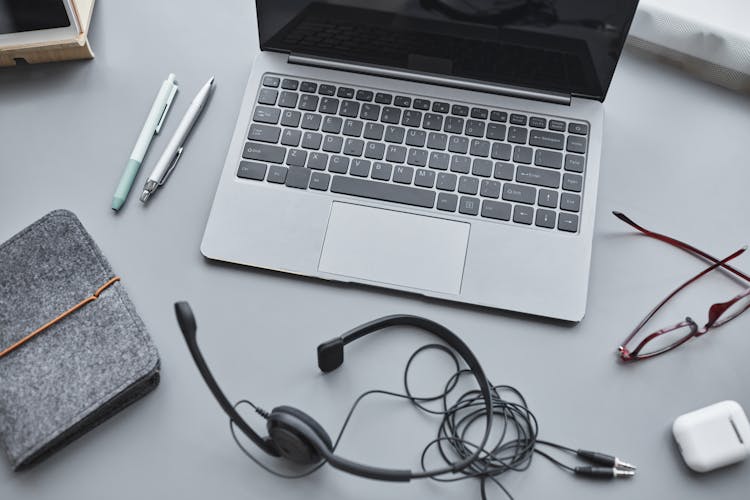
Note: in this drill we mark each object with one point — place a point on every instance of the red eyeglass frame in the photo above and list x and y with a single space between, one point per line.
714 312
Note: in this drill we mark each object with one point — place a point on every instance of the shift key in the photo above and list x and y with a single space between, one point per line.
264 152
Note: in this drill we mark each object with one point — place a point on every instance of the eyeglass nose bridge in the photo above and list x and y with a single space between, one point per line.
694 329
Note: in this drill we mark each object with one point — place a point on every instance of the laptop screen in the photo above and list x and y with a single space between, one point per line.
568 46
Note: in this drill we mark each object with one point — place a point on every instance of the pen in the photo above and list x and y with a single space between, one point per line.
154 121
172 154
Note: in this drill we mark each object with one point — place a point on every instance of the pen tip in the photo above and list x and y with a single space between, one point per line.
144 196
211 81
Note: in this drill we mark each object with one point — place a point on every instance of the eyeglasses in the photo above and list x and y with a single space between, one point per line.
719 314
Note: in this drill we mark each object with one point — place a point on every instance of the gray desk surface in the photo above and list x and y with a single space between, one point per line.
675 158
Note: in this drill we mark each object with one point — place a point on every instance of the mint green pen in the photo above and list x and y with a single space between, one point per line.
153 124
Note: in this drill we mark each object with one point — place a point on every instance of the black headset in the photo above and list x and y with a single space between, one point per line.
295 436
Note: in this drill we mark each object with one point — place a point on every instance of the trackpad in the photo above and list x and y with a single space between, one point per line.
396 248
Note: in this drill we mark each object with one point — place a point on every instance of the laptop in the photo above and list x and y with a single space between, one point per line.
447 148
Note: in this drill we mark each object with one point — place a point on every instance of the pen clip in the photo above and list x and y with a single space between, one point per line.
176 158
166 108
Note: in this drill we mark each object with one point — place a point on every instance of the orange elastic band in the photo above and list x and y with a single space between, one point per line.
70 311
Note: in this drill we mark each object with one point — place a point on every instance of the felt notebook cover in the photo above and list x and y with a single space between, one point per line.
84 368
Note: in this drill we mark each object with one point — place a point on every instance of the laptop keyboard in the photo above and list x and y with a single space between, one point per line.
450 157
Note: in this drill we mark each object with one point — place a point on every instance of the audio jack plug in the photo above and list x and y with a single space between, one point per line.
603 472
605 460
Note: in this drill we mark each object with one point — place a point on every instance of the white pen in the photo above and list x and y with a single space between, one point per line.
172 153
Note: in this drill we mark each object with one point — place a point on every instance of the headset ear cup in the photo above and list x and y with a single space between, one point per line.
284 424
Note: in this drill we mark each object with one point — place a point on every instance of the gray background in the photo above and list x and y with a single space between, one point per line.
675 159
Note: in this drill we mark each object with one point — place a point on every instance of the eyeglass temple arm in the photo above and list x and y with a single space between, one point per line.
680 244
720 263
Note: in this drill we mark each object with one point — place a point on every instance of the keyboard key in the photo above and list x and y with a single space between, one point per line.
319 181
395 154
567 222
578 128
298 177
572 182
490 189
468 206
402 101
479 113
264 133
289 84
317 161
288 99
422 104
309 102
383 191
417 157
537 122
570 202
496 210
291 118
353 128
576 144
458 144
296 158
271 81
267 96
277 174
517 135
517 119
545 218
432 121
326 89
474 128
383 98
416 138
437 140
482 168
459 110
447 202
333 143
557 125
480 148
547 198
364 95
411 118
522 194
370 112
545 139
440 107
403 174
439 161
251 170
454 125
504 171
523 215
424 178
496 131
468 185
549 159
360 168
338 164
460 164
574 163
312 140
308 87
499 116
332 124
345 92
375 150
354 147
329 105
349 109
394 134
266 115
522 154
501 151
382 171
374 131
391 115
311 121
445 181
263 152
538 176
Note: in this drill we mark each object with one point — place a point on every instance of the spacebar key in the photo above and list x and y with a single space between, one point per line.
383 191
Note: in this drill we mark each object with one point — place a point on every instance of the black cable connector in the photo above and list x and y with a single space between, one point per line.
603 472
603 459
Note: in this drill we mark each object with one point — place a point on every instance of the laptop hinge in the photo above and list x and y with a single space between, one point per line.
445 81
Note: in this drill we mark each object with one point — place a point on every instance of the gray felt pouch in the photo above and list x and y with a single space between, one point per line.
82 369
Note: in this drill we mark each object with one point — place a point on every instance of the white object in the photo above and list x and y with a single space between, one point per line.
709 39
713 437
69 32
